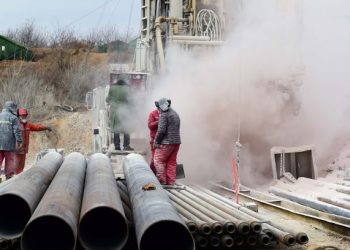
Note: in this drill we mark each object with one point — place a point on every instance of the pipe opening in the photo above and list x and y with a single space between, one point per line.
264 240
48 232
244 228
14 215
172 234
217 228
191 227
291 241
103 228
202 242
256 227
205 229
230 228
251 241
214 241
227 242
239 240
302 239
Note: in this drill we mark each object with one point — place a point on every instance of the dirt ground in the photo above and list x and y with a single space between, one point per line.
72 131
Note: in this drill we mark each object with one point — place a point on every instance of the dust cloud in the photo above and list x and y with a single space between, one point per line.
281 79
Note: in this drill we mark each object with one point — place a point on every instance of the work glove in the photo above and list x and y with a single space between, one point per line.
156 145
49 129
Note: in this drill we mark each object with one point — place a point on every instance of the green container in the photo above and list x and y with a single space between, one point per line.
10 50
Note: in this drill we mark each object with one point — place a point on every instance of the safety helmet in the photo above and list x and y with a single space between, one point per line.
11 106
22 111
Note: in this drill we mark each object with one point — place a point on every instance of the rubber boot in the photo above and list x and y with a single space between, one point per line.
127 143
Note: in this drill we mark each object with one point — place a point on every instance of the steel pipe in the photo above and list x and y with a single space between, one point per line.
55 220
215 213
324 207
214 241
198 211
20 195
103 224
192 227
202 226
201 241
251 240
264 239
157 223
227 241
277 229
255 226
195 214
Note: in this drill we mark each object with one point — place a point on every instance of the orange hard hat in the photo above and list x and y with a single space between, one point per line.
22 111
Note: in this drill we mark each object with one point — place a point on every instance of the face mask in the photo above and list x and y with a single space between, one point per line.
24 120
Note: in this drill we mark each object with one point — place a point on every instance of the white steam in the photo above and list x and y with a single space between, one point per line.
282 78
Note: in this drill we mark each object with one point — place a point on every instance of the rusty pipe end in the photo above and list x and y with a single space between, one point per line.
229 227
289 240
217 228
302 238
255 227
243 228
205 229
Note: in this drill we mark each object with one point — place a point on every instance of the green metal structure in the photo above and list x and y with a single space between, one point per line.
11 50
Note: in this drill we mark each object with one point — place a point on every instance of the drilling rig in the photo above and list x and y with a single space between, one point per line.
184 23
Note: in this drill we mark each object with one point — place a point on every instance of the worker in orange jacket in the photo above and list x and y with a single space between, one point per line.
153 120
26 128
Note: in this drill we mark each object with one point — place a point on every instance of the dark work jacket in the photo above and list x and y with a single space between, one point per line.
168 128
10 131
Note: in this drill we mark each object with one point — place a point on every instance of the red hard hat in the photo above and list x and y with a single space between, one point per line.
22 111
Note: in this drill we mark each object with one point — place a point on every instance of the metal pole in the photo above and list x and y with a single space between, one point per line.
215 213
55 220
215 225
255 226
102 220
157 223
20 195
301 237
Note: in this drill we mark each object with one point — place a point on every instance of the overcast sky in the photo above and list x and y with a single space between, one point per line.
81 15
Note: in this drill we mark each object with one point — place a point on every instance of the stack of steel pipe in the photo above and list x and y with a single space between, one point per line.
274 231
54 224
214 224
20 195
157 223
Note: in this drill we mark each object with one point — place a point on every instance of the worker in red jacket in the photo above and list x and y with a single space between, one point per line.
153 119
26 128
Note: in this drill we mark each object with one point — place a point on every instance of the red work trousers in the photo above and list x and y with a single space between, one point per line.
153 150
165 163
10 164
20 160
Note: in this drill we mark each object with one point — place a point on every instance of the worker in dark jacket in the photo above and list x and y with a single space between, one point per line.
167 143
26 128
10 137
118 100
